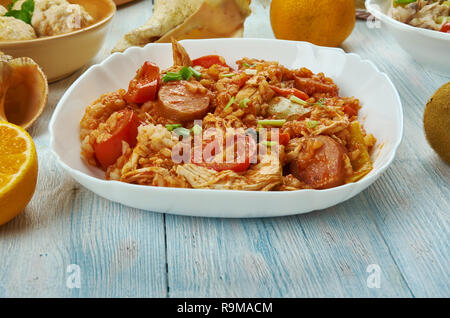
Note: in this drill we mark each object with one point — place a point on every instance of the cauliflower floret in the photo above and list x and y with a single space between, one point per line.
12 29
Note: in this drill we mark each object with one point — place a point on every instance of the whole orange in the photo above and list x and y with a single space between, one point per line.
321 22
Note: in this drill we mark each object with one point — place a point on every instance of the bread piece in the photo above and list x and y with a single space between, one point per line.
182 19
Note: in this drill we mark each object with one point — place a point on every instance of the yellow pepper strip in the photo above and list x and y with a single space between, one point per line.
361 165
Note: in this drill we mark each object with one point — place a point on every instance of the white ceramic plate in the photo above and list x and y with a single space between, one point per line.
428 47
381 115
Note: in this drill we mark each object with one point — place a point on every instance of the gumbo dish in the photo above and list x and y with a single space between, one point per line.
203 124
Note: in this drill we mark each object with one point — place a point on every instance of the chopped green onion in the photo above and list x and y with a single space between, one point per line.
186 73
195 73
197 129
271 122
250 72
173 126
248 65
182 131
297 100
404 1
243 103
321 102
312 123
229 103
171 76
269 143
227 75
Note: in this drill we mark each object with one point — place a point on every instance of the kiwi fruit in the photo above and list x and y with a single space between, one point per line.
436 122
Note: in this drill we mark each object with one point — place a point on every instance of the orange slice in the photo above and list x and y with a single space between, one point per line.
18 170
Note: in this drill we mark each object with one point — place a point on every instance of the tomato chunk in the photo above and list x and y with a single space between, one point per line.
209 60
350 111
286 92
243 78
145 85
446 27
108 151
281 137
284 138
243 156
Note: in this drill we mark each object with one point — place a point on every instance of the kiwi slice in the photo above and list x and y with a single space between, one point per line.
436 121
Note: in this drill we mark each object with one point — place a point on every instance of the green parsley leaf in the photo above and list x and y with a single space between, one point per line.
25 13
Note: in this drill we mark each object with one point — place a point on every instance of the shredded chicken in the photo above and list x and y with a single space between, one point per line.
52 17
263 176
180 56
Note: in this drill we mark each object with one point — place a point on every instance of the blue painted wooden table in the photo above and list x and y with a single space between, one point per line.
390 240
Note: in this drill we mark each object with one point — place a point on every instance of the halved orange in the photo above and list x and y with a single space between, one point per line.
18 170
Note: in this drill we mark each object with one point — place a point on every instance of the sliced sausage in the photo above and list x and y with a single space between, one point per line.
183 101
321 168
311 86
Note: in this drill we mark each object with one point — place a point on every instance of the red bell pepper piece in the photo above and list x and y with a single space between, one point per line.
107 152
145 85
286 92
209 60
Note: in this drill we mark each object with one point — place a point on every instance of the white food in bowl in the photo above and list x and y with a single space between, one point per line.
381 114
2 10
421 13
12 29
428 47
53 17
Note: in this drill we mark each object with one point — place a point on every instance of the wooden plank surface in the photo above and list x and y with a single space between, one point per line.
399 224
120 251
410 203
323 254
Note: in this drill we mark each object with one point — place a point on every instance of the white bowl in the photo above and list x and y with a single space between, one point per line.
428 47
381 115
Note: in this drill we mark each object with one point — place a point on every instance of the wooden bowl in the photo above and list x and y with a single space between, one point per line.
61 55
